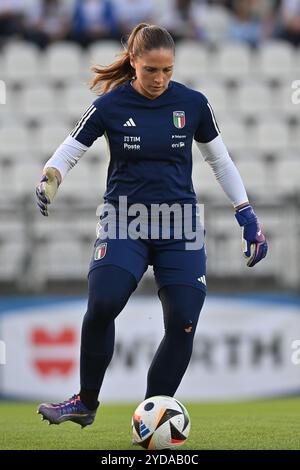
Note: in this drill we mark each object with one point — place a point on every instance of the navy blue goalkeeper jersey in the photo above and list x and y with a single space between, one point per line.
150 141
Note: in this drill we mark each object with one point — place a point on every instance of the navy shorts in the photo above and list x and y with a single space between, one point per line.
172 262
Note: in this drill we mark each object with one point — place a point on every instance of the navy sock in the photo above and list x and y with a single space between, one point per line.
89 398
181 308
109 290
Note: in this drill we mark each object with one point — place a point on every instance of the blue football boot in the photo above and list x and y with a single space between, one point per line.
69 410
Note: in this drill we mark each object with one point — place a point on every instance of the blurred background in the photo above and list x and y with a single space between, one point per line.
245 57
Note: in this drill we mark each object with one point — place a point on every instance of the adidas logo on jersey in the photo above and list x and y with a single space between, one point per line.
129 123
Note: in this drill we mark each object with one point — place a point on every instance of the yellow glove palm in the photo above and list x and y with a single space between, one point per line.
46 190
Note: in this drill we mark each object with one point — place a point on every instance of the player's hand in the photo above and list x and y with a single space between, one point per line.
255 246
46 190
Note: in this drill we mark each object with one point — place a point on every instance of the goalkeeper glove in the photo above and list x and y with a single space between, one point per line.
255 246
46 190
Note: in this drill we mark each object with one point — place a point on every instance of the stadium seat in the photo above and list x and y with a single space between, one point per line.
272 137
204 181
77 99
90 179
296 68
12 251
223 248
192 62
234 62
85 227
2 67
65 260
9 113
288 175
275 60
39 104
273 219
25 177
236 136
15 142
6 182
103 52
294 143
217 96
215 22
49 137
254 176
63 62
255 100
21 63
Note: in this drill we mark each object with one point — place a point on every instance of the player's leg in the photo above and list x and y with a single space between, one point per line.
109 290
181 308
115 270
180 276
97 344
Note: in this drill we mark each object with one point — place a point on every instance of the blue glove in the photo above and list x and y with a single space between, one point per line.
255 246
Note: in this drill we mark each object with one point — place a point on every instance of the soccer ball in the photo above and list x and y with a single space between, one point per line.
160 422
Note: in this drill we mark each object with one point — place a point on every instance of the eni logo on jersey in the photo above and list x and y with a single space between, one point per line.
179 119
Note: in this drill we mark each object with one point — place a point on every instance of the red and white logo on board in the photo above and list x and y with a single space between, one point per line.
46 346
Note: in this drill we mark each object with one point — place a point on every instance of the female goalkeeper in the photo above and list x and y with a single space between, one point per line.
149 122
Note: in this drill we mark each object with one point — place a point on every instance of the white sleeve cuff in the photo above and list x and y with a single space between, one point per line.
66 156
216 155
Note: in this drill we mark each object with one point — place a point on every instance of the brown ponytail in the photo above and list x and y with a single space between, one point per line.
143 37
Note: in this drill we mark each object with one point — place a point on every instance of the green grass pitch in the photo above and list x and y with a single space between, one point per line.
269 424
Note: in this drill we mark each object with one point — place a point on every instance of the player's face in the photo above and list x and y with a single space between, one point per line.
153 70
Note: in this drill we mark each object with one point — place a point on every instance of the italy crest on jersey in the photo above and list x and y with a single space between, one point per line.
100 251
179 119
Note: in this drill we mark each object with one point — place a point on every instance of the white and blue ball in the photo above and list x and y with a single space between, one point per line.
160 422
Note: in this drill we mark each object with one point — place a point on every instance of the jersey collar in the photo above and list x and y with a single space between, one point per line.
130 87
